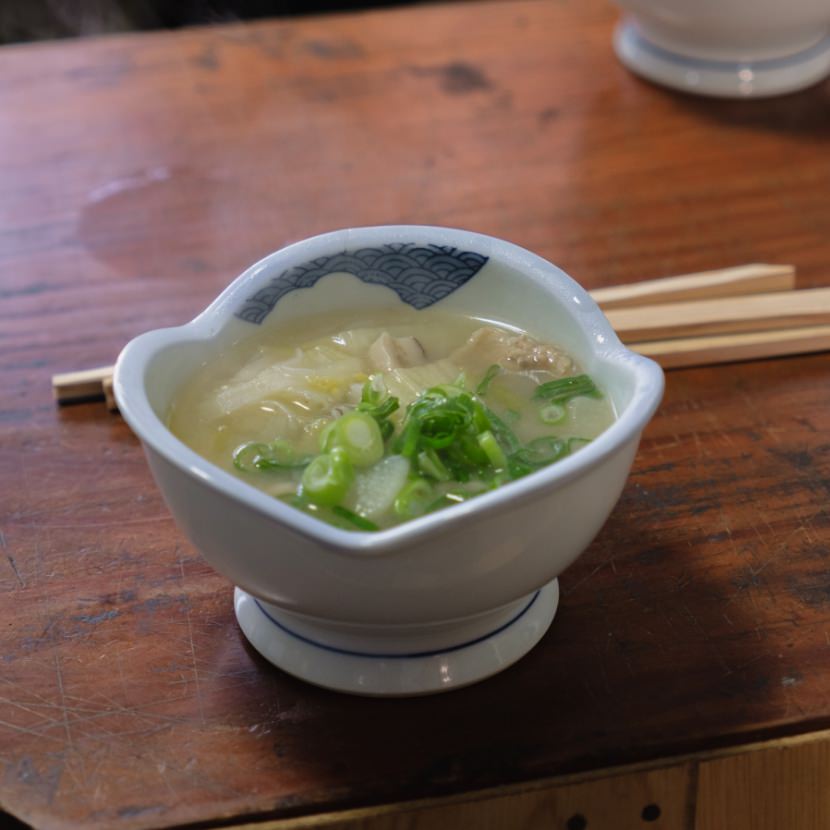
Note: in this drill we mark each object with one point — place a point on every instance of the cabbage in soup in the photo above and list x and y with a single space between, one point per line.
392 417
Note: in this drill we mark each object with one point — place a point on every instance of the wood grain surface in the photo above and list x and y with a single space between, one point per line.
139 174
757 786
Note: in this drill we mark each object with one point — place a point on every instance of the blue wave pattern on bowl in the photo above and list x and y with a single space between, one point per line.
420 275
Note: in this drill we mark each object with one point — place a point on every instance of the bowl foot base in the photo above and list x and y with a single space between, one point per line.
720 78
371 662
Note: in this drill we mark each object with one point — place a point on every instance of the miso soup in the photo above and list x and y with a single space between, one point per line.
369 422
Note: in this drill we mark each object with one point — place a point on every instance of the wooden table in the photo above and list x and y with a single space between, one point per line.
686 680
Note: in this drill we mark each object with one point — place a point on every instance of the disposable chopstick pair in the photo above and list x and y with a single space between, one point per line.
757 278
742 313
85 385
751 312
731 348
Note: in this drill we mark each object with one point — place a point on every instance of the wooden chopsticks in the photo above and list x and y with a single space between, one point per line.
85 385
752 312
704 285
729 348
742 313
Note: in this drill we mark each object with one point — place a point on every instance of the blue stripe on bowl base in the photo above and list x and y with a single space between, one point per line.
420 275
409 656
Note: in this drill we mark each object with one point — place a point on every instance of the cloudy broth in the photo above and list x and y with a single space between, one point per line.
372 419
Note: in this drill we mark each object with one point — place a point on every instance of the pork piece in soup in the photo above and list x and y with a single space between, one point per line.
371 422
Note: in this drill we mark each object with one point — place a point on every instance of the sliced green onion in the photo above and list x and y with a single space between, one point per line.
381 410
448 390
353 518
327 478
407 441
563 389
468 452
414 499
431 465
373 392
553 413
327 436
449 441
504 435
460 469
518 466
358 434
274 456
495 454
482 388
547 449
537 454
479 412
246 457
442 424
373 403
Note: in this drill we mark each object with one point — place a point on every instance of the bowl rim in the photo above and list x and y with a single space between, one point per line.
133 361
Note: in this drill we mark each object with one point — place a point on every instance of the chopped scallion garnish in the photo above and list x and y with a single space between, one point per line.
562 390
430 464
327 478
358 434
353 518
277 455
456 447
375 402
553 413
495 454
482 388
414 499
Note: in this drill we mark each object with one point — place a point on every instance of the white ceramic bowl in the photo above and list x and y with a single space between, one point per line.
443 600
727 48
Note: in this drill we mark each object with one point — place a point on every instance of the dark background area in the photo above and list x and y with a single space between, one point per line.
27 20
